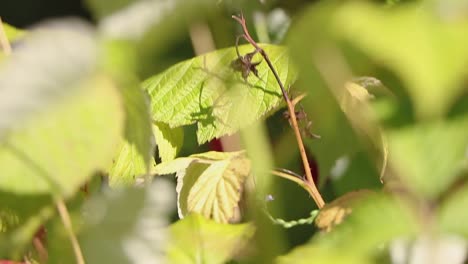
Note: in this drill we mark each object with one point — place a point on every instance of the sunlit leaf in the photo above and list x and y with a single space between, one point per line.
210 183
61 148
196 239
433 59
169 140
136 149
206 91
135 156
429 157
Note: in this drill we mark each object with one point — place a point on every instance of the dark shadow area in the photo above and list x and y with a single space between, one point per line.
24 13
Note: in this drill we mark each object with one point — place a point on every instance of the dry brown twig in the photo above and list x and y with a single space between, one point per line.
308 181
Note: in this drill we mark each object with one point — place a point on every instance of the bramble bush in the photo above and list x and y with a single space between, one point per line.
333 132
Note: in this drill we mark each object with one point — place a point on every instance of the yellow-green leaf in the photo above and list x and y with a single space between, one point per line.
210 183
205 90
169 140
135 157
61 148
196 239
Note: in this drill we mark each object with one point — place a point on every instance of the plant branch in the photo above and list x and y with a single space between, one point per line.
309 179
4 43
63 212
293 178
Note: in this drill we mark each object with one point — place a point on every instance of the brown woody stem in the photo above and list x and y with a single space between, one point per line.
309 179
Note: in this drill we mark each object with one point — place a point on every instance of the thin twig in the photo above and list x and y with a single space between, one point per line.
290 177
4 43
309 179
62 209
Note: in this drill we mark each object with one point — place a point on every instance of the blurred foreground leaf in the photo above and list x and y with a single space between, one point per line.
452 218
43 69
196 239
433 59
429 157
210 183
135 157
61 148
375 221
206 91
120 226
315 254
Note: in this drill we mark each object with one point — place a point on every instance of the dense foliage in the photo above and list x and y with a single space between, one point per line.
110 134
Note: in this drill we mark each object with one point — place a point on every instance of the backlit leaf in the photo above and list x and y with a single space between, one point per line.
169 140
206 91
210 183
135 156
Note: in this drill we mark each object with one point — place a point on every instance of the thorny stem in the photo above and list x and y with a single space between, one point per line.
63 212
309 179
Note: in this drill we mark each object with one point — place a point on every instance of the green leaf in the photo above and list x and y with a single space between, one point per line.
173 166
314 254
452 215
432 59
135 156
199 240
204 90
61 148
365 222
53 67
209 183
137 147
169 140
429 157
13 33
